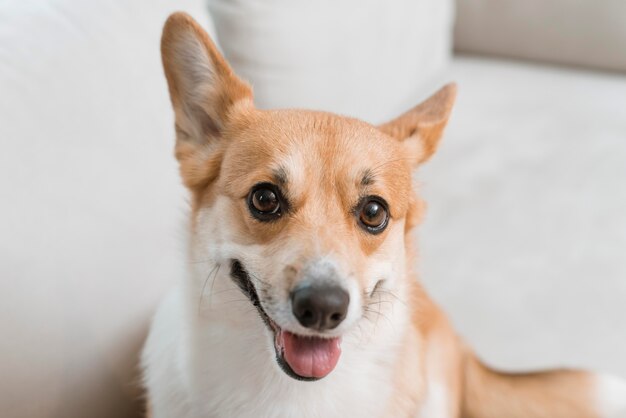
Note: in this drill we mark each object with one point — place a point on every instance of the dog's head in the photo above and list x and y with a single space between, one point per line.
308 210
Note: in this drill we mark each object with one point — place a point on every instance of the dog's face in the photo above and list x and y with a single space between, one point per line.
308 210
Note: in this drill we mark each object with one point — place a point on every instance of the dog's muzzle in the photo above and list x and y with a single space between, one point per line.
320 307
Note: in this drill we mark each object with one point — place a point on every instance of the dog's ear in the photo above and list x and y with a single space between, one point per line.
421 127
204 91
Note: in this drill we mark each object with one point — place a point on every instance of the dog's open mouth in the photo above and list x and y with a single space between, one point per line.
301 357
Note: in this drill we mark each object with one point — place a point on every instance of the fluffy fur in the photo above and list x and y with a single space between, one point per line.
209 354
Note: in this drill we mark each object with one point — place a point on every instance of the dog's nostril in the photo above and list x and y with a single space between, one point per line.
320 306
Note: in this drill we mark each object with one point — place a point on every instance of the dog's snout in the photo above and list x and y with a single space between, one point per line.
320 307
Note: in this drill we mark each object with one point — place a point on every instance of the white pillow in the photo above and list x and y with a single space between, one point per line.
366 58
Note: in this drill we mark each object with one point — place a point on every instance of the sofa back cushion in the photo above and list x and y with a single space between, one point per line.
573 32
365 58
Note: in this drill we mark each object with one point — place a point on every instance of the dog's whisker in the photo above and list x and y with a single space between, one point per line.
379 302
390 293
372 311
239 300
213 284
379 315
204 286
257 278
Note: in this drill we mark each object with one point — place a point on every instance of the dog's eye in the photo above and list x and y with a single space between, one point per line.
373 214
264 202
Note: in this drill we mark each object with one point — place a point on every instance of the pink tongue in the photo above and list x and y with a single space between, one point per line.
311 356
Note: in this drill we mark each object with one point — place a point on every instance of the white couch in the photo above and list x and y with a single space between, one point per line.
523 243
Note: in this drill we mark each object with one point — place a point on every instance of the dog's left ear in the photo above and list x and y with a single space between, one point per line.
206 95
203 88
421 127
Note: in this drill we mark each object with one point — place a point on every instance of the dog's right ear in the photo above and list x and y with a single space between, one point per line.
204 91
421 128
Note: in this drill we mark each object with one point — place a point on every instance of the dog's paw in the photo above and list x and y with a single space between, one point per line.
611 396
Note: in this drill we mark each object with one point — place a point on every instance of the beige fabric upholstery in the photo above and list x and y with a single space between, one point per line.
91 204
589 33
524 235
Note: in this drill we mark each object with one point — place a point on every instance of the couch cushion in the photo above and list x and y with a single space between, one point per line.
91 201
363 58
581 33
524 240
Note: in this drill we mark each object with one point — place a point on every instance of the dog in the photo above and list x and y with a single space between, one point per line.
300 299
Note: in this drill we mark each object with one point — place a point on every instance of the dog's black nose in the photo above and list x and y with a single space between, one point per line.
320 307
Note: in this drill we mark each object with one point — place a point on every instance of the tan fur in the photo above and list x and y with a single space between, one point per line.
562 393
225 146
